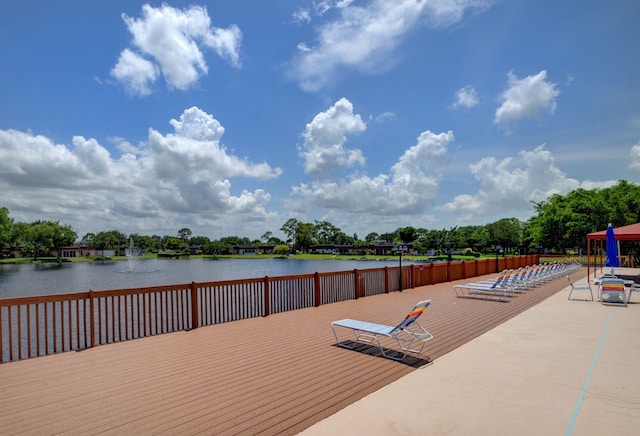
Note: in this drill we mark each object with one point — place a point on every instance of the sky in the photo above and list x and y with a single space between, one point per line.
231 117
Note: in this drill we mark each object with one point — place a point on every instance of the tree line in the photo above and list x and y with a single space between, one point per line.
560 223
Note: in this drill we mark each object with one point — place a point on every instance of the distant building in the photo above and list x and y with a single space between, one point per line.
322 249
74 251
244 250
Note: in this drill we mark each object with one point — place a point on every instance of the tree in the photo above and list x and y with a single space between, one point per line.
373 236
111 240
6 225
213 247
563 222
275 241
184 234
144 242
407 234
327 233
388 237
506 233
22 235
305 236
266 236
281 249
61 236
88 239
290 228
199 240
37 237
474 237
361 246
173 243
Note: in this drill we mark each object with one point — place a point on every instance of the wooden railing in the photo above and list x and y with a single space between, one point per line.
48 324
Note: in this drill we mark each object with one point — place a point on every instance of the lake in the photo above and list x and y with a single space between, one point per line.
40 279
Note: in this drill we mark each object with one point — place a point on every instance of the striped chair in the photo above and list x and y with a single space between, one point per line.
614 291
408 335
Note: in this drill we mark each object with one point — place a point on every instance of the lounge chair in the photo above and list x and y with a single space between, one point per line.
582 287
614 290
406 334
498 288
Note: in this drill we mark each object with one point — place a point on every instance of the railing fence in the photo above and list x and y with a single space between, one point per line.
49 324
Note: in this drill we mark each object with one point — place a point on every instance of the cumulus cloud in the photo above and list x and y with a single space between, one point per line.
325 136
635 157
169 41
164 183
364 37
527 98
466 97
135 72
510 185
194 152
408 188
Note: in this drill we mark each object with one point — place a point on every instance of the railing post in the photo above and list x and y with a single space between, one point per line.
412 275
92 320
317 295
267 305
433 274
194 306
356 284
386 279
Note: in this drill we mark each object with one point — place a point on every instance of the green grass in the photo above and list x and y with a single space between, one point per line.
299 256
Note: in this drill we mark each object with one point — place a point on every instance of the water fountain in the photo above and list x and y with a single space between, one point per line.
132 252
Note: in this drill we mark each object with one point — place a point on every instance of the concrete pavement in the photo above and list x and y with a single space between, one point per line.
562 367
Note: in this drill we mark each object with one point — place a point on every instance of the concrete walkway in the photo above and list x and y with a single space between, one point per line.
562 367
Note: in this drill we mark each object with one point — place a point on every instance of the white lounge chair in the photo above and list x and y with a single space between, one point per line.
406 334
582 287
498 288
613 290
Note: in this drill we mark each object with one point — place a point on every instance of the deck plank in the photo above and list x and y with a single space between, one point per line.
274 375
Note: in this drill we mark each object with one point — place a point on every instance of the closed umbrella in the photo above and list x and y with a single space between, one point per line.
612 250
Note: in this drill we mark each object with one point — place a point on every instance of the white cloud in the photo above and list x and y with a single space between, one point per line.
409 188
509 186
385 116
365 37
301 15
466 97
527 98
135 72
163 184
170 40
318 8
635 157
323 150
194 152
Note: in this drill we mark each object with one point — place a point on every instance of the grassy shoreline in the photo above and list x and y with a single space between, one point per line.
329 257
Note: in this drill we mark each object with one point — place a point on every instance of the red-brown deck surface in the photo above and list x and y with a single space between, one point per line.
274 375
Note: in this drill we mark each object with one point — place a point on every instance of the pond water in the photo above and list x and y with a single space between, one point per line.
40 279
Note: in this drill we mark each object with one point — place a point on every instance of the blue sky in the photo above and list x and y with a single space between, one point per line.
231 117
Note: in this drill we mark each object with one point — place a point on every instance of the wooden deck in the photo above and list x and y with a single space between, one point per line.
274 375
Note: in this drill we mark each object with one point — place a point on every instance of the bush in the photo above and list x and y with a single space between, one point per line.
469 252
281 249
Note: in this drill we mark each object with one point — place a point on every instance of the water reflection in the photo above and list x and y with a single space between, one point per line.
38 279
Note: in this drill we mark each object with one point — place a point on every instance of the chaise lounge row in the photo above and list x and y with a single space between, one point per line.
511 282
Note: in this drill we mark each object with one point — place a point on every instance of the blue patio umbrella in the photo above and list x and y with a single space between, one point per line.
612 250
